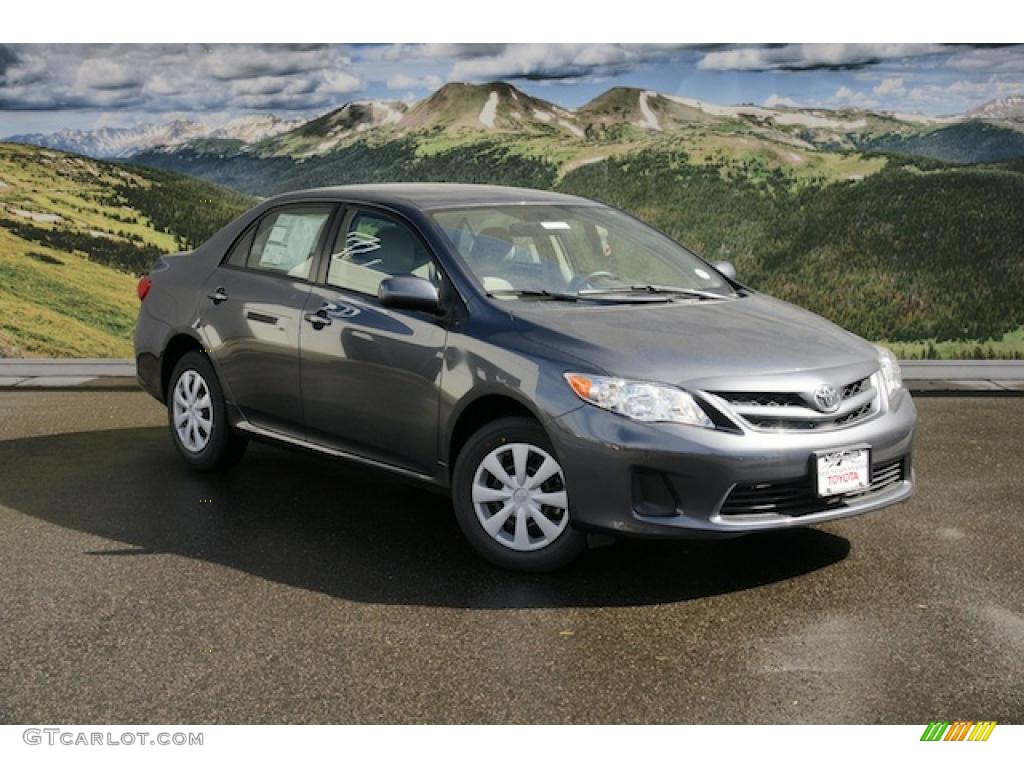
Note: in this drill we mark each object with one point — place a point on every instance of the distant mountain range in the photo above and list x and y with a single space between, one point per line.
125 142
620 114
1006 108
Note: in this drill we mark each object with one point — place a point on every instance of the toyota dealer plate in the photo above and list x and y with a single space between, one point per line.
843 471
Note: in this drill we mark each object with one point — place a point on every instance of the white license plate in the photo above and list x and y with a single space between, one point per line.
843 471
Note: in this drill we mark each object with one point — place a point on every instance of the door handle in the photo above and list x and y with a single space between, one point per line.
317 319
218 296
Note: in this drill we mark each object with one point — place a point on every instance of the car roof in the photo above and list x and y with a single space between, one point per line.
429 196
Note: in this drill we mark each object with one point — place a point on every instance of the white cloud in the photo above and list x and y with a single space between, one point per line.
813 56
166 78
962 95
890 86
847 97
775 100
340 82
997 60
421 51
244 61
401 81
107 75
563 62
540 61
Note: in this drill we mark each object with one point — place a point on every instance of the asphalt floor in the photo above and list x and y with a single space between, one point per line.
299 589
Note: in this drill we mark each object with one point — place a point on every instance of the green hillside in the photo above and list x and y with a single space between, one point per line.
967 142
74 235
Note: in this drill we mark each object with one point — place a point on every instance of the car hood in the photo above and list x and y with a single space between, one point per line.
753 340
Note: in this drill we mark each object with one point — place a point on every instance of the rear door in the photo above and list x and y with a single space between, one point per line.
371 375
253 310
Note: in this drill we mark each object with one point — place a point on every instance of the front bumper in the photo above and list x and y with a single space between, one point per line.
668 480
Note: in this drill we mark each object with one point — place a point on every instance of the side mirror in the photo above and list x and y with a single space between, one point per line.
726 268
409 292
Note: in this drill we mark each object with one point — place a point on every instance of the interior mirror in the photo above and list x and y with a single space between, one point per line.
409 292
726 268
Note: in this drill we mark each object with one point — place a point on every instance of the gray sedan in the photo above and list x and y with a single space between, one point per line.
562 369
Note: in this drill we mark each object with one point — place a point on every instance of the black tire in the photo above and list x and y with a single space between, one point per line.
565 548
224 447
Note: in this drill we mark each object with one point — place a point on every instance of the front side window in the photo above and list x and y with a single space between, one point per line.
374 247
571 249
286 241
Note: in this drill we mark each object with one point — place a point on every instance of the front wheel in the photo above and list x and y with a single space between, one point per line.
198 418
511 499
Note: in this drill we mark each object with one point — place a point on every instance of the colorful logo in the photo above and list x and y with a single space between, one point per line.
958 730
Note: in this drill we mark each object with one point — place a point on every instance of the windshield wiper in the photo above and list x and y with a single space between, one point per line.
595 296
652 288
541 294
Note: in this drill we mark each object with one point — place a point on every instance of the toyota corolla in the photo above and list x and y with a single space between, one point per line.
562 369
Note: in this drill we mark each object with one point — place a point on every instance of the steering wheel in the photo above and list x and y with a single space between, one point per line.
582 281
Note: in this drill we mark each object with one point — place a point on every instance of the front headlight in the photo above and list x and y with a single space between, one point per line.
892 377
639 400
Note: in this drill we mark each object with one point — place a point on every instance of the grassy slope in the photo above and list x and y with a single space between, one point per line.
88 309
59 293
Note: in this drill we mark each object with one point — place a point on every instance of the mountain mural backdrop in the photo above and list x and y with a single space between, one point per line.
905 228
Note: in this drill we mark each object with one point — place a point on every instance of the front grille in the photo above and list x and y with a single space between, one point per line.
855 388
763 399
795 498
793 411
854 416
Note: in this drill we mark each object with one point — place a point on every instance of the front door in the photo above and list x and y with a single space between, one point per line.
252 313
371 375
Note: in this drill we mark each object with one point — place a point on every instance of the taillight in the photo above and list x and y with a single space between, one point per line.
143 287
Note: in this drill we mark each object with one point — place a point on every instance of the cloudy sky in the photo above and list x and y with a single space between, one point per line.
50 87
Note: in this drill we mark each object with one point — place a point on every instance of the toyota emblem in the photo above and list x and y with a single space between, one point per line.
827 397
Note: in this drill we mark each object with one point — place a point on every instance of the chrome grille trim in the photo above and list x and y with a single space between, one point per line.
795 412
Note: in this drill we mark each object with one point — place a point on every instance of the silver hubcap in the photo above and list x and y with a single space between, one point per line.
193 411
519 497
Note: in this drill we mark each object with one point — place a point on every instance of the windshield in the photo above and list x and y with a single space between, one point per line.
575 250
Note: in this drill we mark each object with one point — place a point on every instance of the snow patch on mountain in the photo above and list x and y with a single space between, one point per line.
252 128
490 110
807 119
650 119
917 117
573 129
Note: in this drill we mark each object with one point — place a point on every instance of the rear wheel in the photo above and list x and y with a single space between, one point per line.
511 499
197 416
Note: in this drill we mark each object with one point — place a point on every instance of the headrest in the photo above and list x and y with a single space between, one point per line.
491 245
397 251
